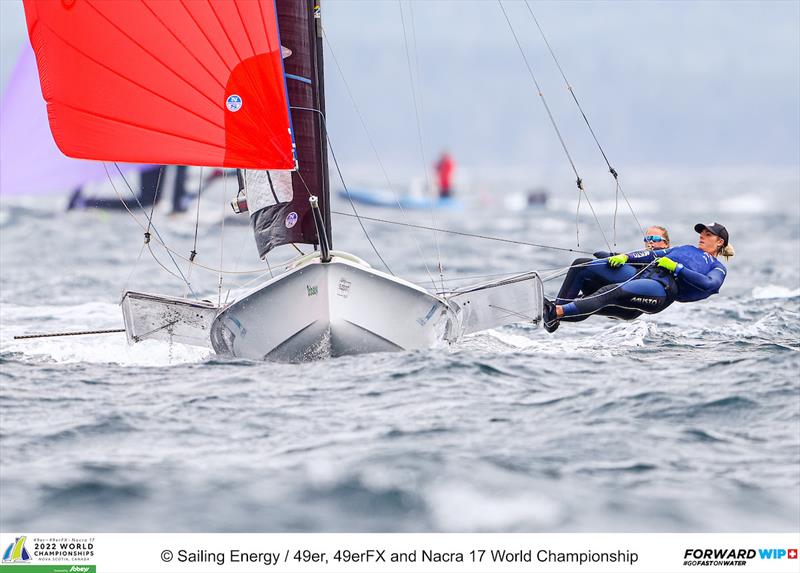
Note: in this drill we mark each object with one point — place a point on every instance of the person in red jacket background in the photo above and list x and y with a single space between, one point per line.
444 175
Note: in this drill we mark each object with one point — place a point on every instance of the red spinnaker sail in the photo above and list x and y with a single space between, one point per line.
185 82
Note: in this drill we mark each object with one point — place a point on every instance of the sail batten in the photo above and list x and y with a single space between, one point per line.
197 83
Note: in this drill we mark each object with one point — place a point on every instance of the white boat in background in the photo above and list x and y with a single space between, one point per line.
240 85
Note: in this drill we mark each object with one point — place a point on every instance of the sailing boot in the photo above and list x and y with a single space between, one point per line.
549 319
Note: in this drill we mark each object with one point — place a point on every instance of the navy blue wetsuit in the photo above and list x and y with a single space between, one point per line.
587 276
698 276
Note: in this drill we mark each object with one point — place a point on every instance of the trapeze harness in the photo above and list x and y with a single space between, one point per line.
698 276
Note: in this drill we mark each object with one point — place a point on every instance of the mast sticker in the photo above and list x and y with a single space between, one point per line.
233 103
291 220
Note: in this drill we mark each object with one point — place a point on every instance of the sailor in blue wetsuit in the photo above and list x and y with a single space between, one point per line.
684 274
585 276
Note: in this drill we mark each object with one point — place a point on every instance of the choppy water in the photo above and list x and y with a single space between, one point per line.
685 421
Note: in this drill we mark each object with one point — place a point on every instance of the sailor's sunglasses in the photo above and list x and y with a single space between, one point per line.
653 239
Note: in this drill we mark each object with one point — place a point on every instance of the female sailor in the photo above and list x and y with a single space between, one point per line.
684 274
585 276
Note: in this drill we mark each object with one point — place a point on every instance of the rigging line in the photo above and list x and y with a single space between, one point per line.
509 280
586 119
141 337
461 233
579 181
422 113
341 177
160 264
124 204
352 205
222 234
193 253
561 270
238 261
389 184
419 136
473 277
155 197
618 285
133 270
172 252
510 312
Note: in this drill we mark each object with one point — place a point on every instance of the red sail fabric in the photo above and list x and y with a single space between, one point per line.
152 81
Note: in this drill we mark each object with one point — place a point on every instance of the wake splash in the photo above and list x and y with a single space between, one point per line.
91 349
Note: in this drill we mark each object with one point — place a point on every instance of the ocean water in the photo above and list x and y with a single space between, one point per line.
684 421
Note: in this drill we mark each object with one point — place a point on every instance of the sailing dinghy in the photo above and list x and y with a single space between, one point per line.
239 84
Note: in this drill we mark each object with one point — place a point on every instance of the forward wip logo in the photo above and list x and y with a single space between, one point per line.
16 552
777 553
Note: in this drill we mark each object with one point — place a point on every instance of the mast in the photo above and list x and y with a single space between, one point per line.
281 212
325 199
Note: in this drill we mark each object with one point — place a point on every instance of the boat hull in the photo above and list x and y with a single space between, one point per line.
323 310
390 200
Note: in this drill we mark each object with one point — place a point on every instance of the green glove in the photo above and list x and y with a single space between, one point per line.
667 263
617 261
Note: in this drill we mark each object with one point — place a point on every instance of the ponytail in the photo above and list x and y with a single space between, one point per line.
727 251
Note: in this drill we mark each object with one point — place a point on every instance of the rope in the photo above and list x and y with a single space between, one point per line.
150 221
414 91
586 119
377 157
158 240
579 181
79 333
155 197
222 235
618 285
133 270
341 177
462 233
352 205
193 252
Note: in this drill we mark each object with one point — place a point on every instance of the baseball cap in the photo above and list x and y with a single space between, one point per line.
715 228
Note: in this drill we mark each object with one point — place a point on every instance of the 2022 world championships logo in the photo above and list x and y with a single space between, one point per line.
16 552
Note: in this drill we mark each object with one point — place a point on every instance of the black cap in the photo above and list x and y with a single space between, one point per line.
716 229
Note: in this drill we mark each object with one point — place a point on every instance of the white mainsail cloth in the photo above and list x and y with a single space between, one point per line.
267 188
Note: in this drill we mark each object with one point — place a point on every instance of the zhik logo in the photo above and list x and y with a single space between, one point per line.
777 553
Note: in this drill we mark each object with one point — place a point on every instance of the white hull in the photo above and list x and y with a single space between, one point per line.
318 310
322 310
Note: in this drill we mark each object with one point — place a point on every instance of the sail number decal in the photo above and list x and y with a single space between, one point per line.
233 103
291 220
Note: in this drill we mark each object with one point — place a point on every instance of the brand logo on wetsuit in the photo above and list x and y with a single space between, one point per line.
643 300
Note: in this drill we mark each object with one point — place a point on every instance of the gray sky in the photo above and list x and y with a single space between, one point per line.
663 83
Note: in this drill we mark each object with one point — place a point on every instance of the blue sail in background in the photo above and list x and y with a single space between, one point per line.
31 162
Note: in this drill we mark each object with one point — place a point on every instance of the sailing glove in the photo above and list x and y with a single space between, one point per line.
670 265
617 261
